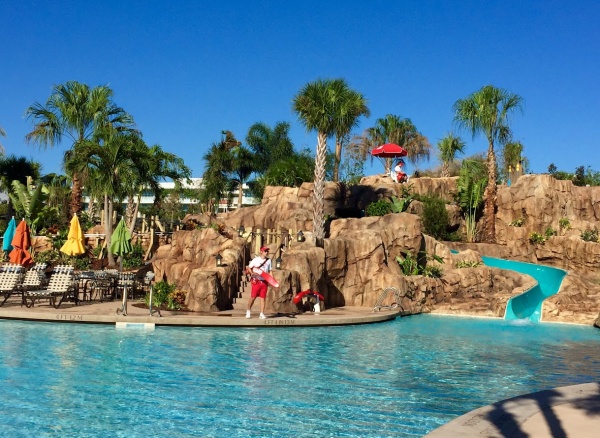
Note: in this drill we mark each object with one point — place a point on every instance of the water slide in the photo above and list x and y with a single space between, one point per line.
528 305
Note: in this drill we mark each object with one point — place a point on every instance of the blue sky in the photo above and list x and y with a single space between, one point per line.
186 70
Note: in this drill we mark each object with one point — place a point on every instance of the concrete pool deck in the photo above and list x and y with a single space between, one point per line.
569 411
572 411
106 313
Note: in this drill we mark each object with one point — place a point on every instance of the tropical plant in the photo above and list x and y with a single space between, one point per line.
29 202
486 111
471 181
79 113
549 233
536 238
518 222
512 159
317 108
403 132
412 264
564 224
350 106
400 205
590 235
160 293
467 264
448 147
380 207
269 145
435 218
13 168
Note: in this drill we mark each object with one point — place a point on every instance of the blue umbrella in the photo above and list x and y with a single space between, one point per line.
8 235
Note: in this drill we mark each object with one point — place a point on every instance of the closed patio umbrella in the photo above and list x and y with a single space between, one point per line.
21 243
120 244
74 244
8 235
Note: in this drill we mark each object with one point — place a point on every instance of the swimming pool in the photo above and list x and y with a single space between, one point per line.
401 378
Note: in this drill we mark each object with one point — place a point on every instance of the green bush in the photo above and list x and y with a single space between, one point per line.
536 238
549 233
590 235
564 224
378 208
160 293
417 264
135 258
435 218
518 222
467 264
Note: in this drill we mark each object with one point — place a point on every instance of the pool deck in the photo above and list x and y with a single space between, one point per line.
106 313
569 411
572 411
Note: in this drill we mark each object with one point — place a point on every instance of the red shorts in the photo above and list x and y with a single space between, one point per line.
259 289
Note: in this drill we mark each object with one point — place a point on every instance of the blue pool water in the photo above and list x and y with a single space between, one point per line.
528 305
402 378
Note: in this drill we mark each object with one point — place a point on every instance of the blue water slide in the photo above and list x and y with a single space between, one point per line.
528 305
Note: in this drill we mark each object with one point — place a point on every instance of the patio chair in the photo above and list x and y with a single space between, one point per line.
9 284
61 286
126 281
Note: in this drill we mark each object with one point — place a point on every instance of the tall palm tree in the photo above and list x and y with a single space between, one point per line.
448 147
78 112
486 112
316 107
350 105
220 161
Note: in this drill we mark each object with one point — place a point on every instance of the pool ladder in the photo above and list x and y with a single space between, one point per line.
395 303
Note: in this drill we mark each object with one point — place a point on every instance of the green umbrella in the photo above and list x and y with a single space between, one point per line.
120 241
120 244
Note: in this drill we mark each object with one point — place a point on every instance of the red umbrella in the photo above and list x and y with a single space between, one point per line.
389 150
21 242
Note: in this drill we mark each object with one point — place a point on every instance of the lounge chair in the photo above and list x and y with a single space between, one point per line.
62 286
9 284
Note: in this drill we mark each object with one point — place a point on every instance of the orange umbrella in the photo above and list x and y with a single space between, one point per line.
74 244
21 243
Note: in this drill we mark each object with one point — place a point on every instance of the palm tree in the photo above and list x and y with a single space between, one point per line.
219 163
486 111
13 168
269 145
79 113
316 107
448 147
111 166
403 132
350 106
243 163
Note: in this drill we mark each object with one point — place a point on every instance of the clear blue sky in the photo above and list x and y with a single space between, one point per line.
186 70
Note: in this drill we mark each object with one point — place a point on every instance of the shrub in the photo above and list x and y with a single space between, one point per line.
590 235
417 265
536 238
81 263
160 293
467 264
564 224
135 258
518 222
378 208
176 300
435 218
549 233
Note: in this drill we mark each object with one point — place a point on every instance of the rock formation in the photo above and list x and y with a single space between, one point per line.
358 261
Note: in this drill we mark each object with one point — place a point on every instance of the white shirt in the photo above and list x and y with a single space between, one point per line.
258 261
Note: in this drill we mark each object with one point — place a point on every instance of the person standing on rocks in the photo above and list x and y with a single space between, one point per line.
259 285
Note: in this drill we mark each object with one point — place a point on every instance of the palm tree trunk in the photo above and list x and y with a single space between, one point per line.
240 194
108 222
489 209
319 190
337 160
134 215
76 195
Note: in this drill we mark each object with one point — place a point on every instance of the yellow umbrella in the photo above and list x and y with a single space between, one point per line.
74 244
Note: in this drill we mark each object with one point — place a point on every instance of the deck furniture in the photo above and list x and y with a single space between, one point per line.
9 284
61 286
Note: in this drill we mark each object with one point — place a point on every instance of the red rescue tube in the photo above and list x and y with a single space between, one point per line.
298 298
